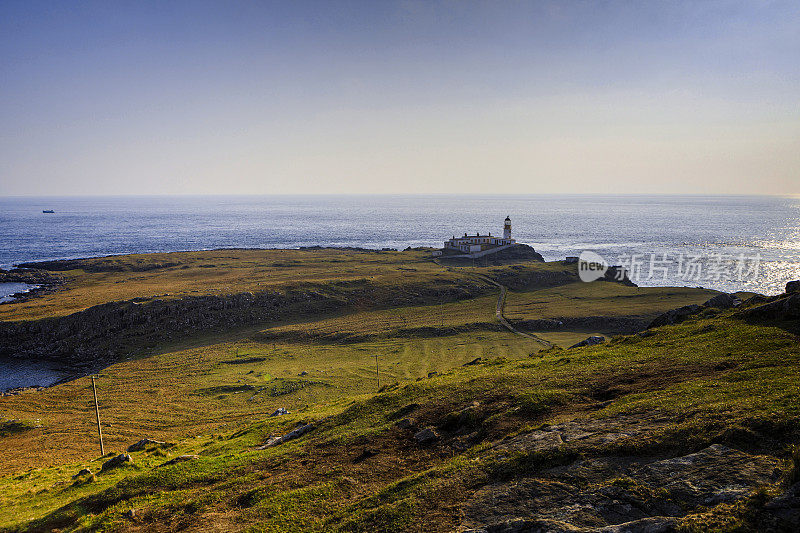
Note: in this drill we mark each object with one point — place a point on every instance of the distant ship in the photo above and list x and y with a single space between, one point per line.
47 211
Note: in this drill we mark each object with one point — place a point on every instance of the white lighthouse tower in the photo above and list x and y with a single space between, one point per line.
507 228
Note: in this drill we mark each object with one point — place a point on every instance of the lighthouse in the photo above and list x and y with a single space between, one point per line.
482 244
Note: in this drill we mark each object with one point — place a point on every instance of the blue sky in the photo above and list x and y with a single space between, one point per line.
399 97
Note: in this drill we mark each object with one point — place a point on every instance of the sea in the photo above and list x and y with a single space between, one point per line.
729 243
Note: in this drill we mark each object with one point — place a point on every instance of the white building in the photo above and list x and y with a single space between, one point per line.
477 243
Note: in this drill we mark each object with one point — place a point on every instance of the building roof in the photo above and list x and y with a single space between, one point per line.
478 237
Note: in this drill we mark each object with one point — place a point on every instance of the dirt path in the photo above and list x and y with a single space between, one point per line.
501 302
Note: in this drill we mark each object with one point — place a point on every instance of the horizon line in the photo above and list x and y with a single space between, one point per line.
355 194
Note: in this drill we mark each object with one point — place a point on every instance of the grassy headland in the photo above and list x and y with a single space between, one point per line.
518 426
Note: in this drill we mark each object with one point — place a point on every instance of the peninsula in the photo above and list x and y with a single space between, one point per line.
354 390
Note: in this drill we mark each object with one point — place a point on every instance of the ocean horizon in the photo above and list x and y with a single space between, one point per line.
728 243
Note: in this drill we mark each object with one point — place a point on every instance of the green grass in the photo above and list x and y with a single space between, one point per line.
716 378
727 378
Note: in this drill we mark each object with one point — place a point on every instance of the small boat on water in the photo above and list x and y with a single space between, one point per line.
47 211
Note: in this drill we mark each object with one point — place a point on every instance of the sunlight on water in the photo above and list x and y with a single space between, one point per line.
557 226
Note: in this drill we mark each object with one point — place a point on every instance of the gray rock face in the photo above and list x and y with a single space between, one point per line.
589 341
82 472
82 338
616 493
675 316
782 308
116 462
295 433
723 301
426 436
144 443
713 475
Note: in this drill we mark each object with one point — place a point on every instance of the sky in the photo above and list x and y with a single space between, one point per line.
387 97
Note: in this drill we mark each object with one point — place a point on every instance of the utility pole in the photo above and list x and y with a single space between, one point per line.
97 414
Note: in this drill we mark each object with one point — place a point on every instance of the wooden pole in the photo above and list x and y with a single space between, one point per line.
97 414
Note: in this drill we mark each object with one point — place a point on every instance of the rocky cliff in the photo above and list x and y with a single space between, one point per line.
102 334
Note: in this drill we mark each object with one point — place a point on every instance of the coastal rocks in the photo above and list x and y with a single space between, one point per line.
619 275
675 316
30 276
723 301
40 283
720 301
146 443
98 264
20 390
793 286
512 254
786 307
589 341
116 462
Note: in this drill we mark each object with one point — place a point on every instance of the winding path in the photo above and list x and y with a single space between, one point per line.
501 302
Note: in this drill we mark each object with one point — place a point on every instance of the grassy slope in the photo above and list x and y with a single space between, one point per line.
200 399
717 384
579 299
219 272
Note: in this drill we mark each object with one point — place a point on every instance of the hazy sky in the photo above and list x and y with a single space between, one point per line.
399 97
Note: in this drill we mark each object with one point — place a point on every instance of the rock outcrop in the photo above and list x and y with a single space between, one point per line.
513 254
785 307
116 462
427 435
147 443
614 492
294 434
723 301
590 341
675 316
